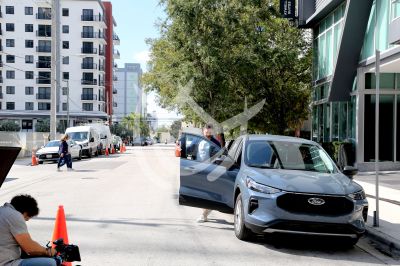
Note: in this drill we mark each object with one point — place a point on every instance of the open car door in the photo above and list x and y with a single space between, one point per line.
8 155
203 182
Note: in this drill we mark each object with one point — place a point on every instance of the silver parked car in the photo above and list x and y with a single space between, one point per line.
49 152
273 184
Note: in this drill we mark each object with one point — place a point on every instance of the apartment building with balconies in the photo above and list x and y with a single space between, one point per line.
25 72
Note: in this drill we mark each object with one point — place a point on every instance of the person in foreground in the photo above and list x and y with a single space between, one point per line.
15 238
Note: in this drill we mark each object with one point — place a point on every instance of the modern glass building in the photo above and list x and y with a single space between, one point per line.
346 34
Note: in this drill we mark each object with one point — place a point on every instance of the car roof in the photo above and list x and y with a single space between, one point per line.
8 155
279 138
78 129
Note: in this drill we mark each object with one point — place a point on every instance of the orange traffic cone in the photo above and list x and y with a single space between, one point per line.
121 148
34 159
60 229
112 150
106 151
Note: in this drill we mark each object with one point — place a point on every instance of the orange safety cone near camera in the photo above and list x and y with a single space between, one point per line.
34 159
60 229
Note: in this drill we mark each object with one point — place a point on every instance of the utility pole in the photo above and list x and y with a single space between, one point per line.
377 98
66 80
55 54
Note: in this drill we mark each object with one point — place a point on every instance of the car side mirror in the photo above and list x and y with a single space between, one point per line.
350 171
92 139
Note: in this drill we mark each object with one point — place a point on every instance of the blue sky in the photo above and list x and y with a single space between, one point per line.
136 21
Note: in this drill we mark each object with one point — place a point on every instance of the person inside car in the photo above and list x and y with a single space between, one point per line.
14 235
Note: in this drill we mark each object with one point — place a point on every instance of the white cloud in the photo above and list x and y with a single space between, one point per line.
142 57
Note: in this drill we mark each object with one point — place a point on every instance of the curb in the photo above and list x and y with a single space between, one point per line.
385 243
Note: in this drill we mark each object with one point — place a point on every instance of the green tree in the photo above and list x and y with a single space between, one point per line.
137 124
232 50
43 126
175 128
10 126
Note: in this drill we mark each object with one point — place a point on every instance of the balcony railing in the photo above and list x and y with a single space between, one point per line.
102 67
115 78
102 98
116 37
43 96
89 50
89 66
45 16
95 18
43 49
89 81
115 91
102 52
43 81
88 97
92 35
42 33
115 104
116 53
102 83
43 65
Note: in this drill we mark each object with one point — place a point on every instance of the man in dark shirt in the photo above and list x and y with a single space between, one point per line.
208 133
65 155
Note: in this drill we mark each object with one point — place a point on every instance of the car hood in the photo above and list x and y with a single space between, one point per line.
8 155
48 150
304 181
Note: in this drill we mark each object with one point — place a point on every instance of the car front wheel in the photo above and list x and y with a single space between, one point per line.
241 231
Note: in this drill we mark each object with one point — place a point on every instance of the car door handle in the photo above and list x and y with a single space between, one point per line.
189 168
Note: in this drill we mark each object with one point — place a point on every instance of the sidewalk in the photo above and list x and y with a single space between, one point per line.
387 235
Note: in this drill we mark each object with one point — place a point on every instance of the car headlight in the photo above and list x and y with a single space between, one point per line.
253 185
360 195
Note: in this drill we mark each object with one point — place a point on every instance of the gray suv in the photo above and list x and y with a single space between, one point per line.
272 184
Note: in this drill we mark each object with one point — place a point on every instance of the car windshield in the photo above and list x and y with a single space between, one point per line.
54 143
78 136
288 155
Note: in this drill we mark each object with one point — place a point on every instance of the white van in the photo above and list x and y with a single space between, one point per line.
105 136
87 137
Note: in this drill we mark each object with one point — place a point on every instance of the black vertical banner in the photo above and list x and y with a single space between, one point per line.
288 8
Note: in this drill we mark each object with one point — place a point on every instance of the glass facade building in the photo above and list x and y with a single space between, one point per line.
338 113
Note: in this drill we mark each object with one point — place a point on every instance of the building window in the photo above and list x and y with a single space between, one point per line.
65 44
29 90
10 74
64 91
64 106
29 59
43 106
395 9
9 10
28 27
29 106
10 106
65 29
65 12
87 106
28 74
28 43
10 90
44 30
10 27
66 75
65 60
44 13
10 43
10 58
28 10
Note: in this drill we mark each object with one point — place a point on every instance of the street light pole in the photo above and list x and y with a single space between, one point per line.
54 66
377 98
67 81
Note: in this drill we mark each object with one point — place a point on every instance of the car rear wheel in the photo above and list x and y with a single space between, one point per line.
241 231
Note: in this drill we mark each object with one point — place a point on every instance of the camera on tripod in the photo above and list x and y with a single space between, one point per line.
68 253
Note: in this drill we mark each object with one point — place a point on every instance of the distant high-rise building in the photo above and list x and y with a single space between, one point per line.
128 91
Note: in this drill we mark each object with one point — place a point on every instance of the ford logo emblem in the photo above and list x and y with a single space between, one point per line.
316 201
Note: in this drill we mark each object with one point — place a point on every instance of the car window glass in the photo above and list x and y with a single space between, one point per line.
238 155
233 148
199 149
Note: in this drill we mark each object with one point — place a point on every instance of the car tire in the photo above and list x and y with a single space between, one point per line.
80 155
241 231
90 153
40 162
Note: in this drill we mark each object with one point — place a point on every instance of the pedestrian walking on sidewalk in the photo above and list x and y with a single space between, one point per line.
208 133
65 155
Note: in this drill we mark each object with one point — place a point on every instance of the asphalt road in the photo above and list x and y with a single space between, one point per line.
123 210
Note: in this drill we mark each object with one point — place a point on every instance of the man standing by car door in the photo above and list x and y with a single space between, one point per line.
203 151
